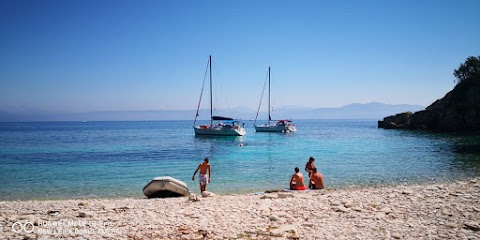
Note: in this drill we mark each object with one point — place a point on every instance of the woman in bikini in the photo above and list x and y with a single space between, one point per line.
309 168
310 165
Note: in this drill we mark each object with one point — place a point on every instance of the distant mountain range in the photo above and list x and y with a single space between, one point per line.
373 110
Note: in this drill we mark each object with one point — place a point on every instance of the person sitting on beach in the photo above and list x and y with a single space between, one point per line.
296 183
316 180
204 178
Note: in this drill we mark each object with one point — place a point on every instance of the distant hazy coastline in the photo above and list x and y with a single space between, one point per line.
373 110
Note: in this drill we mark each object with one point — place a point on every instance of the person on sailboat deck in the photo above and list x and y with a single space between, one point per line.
296 183
204 178
316 180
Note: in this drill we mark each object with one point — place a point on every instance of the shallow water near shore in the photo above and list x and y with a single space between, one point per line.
62 160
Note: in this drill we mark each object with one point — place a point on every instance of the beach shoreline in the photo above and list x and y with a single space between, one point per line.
193 189
449 210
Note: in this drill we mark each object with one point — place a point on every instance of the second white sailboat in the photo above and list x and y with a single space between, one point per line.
280 125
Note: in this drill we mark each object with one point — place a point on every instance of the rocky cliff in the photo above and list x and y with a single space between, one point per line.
458 111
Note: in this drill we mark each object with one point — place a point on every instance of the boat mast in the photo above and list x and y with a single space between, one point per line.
211 104
269 118
201 94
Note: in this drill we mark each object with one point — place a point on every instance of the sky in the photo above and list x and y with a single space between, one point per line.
81 56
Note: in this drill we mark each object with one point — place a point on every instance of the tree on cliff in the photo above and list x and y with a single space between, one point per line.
469 70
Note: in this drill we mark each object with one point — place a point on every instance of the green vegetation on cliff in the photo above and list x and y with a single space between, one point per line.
469 70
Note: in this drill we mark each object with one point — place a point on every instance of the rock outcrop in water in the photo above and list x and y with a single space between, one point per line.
458 111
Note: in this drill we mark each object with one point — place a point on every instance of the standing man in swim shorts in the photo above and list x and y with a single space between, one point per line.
204 178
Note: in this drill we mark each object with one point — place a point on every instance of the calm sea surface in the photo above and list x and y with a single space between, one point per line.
62 160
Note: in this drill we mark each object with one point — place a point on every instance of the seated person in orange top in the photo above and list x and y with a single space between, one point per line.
296 183
316 180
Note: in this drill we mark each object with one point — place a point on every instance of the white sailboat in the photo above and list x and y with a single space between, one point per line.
219 126
280 125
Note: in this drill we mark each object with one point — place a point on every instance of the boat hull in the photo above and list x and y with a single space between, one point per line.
219 131
275 128
164 187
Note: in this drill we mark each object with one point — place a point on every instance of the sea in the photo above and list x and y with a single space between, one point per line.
73 160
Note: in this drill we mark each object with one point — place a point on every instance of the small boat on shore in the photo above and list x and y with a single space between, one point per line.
164 187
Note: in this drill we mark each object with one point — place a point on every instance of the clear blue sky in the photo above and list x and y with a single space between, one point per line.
139 55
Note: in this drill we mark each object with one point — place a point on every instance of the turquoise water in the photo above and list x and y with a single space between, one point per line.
62 160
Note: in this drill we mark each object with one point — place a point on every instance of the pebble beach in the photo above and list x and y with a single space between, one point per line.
426 211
